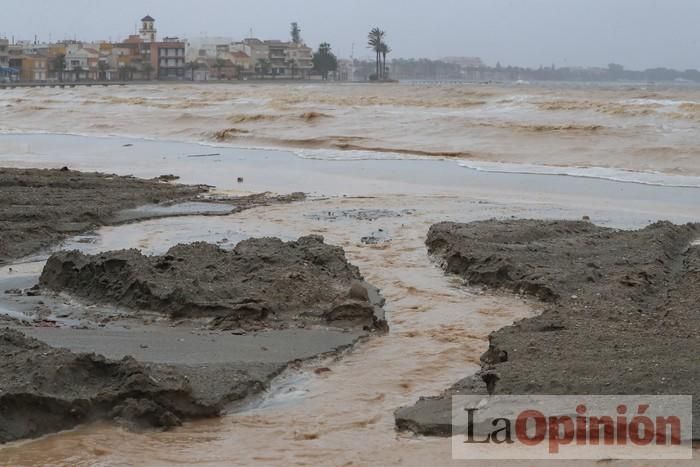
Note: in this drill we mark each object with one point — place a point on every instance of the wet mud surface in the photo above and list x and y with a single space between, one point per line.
46 389
261 284
620 311
41 207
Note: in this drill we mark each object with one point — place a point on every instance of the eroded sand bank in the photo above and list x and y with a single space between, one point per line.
620 310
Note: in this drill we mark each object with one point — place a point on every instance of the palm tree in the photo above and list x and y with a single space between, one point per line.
147 68
263 66
192 66
375 38
59 65
385 49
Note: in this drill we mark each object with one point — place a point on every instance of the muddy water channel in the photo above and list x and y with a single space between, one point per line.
379 212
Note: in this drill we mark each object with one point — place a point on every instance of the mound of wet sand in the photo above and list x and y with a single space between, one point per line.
261 283
40 207
620 311
43 390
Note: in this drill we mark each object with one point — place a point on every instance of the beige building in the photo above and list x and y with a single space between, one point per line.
256 49
287 59
35 67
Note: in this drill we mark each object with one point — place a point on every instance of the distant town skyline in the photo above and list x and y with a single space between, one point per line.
636 33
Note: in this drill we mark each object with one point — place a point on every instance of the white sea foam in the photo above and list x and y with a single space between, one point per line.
603 173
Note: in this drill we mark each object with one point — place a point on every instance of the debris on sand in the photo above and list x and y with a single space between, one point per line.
228 133
213 154
261 283
620 310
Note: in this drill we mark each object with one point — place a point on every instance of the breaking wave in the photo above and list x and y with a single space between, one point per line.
544 128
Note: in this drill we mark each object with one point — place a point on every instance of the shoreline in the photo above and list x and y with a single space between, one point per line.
612 174
646 129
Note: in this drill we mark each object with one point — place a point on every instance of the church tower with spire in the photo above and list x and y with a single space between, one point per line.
148 29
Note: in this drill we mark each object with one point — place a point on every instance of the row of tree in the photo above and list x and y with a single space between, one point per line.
426 69
376 40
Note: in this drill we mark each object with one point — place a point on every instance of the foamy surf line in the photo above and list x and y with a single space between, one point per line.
600 173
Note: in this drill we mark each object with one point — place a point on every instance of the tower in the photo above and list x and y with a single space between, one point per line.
148 30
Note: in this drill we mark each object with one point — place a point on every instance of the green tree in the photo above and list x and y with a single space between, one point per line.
59 65
239 71
126 72
325 60
78 70
375 38
103 67
262 67
148 69
220 64
296 33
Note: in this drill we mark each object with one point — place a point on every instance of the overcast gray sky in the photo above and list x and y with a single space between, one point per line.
636 33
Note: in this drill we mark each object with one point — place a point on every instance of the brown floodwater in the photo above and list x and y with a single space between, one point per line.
633 127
